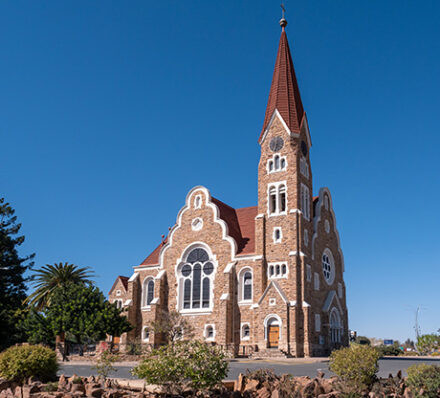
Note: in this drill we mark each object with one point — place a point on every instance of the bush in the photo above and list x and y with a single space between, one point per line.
104 364
389 350
428 343
356 365
362 340
18 363
426 377
183 364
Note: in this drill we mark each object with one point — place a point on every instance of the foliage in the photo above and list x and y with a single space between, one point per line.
18 363
362 340
388 350
172 326
426 377
184 364
12 280
104 363
409 344
51 387
428 343
356 365
37 328
134 347
84 313
50 277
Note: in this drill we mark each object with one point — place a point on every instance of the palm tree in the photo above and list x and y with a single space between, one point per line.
50 277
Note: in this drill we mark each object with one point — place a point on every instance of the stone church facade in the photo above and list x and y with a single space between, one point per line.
265 280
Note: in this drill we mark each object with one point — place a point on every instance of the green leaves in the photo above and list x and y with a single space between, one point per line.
183 364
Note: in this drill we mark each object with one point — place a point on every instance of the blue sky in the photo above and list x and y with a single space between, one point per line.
111 111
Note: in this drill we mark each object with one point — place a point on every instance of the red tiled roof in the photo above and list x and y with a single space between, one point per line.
284 91
123 279
241 226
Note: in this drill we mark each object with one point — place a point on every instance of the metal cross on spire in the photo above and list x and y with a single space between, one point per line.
283 21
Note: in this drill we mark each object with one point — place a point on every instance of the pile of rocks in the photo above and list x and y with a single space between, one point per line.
67 387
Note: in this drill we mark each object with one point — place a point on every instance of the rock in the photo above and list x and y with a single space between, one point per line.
32 389
263 393
309 389
95 392
113 394
62 382
319 389
74 377
399 374
320 374
7 393
18 392
90 387
326 385
78 388
251 385
239 386
275 393
408 393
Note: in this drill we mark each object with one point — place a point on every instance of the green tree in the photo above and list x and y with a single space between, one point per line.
12 279
50 277
173 326
83 313
428 343
37 328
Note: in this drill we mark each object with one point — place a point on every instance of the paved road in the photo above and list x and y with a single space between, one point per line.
386 366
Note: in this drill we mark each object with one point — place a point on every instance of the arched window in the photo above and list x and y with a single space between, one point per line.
277 198
245 332
335 326
272 200
245 285
209 332
146 334
282 198
328 266
276 163
195 279
148 291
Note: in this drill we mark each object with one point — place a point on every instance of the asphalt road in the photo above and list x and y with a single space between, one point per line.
386 366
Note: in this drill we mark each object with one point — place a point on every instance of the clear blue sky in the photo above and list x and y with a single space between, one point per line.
111 111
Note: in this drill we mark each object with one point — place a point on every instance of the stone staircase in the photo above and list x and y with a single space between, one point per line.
269 353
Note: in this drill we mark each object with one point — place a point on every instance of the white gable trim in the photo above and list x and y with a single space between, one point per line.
317 219
217 219
277 288
133 277
269 125
328 302
305 126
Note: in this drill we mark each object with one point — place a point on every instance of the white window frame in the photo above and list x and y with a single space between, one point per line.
241 273
198 200
242 336
316 281
147 279
181 281
304 167
272 161
278 188
118 293
335 328
308 273
279 240
329 255
146 340
205 332
305 201
317 322
275 275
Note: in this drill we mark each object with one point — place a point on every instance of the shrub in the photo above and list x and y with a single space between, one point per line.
362 340
426 377
104 363
428 343
18 363
184 364
51 387
389 350
356 365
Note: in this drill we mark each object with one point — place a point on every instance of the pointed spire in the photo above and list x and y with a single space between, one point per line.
284 92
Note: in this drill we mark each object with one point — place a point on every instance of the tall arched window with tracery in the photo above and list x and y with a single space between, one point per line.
148 291
335 326
195 276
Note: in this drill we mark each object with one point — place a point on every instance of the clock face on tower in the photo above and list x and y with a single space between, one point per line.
276 144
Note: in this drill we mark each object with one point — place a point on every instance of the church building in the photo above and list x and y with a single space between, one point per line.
261 281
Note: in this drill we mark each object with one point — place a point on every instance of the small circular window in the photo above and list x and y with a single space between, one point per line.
328 266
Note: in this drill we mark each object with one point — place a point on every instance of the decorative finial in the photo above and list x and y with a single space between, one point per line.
283 22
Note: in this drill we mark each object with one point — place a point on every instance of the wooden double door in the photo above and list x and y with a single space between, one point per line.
273 335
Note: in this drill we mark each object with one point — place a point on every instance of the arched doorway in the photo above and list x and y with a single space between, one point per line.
273 331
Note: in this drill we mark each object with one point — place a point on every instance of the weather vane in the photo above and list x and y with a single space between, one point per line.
283 21
284 10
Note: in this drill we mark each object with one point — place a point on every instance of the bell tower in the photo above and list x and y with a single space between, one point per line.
284 221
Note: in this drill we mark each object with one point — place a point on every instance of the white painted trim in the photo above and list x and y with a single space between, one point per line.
229 267
133 277
294 253
269 125
205 332
272 159
224 296
241 285
277 185
317 219
305 126
242 324
160 274
261 215
143 333
329 300
217 219
266 320
305 304
295 211
140 267
292 303
280 264
276 241
127 302
277 288
248 257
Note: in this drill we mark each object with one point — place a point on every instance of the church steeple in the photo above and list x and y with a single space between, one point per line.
284 92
